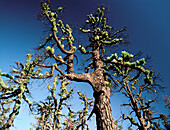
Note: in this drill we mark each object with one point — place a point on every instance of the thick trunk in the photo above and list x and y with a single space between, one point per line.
102 93
103 111
102 107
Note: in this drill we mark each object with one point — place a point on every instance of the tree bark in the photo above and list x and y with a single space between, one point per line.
102 108
103 111
102 93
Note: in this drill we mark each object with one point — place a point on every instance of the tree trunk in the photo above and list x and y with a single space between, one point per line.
102 109
102 93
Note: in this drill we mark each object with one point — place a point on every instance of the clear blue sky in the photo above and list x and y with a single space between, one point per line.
147 21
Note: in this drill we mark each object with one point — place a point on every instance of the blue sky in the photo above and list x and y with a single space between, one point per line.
147 21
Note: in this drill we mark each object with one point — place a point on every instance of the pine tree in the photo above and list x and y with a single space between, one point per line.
56 58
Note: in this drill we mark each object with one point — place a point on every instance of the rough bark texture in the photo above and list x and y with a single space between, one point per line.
103 111
102 93
102 107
